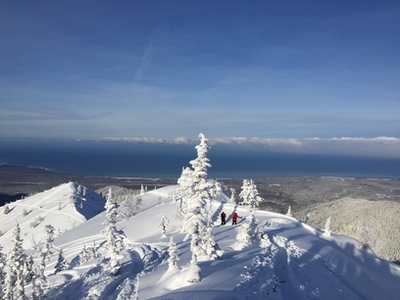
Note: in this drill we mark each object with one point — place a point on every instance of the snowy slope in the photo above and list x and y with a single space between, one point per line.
299 262
64 207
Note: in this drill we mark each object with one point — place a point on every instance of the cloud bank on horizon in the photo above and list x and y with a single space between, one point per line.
377 147
175 68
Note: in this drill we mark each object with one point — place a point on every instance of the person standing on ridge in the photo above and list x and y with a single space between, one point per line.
223 218
234 218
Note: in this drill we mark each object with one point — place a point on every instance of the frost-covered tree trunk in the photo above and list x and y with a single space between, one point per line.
113 239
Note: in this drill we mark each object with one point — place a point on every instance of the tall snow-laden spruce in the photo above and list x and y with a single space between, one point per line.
113 238
198 216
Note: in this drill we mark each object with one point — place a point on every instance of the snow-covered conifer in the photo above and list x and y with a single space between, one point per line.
212 248
29 271
185 191
249 195
61 264
307 218
232 199
113 238
131 206
2 267
248 231
198 216
289 212
6 210
48 248
9 280
143 190
173 257
38 284
327 231
164 224
14 287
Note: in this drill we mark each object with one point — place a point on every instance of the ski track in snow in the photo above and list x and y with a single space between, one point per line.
54 211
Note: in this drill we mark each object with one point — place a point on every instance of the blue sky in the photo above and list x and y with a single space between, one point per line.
266 69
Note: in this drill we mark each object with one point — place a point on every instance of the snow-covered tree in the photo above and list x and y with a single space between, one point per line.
38 284
249 195
2 267
232 199
327 231
248 231
6 210
164 224
307 218
143 189
198 216
212 248
61 264
29 271
113 238
185 191
289 212
173 257
131 206
47 247
14 287
366 234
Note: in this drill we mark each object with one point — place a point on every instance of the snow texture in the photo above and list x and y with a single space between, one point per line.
293 261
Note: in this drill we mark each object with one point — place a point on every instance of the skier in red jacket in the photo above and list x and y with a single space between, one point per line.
234 218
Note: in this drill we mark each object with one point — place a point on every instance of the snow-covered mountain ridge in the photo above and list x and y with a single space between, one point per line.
297 262
64 207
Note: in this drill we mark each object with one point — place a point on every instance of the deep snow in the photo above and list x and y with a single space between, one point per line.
298 263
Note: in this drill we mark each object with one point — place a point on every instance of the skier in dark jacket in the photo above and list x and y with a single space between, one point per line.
223 218
234 218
